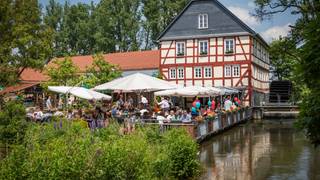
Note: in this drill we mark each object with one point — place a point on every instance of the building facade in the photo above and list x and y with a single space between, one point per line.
207 45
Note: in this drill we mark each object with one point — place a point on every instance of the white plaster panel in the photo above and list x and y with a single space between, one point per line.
212 41
243 71
169 61
220 41
218 83
235 81
203 59
229 58
212 59
189 43
189 83
227 82
245 81
171 53
220 58
212 51
189 60
180 60
218 72
181 82
188 72
240 58
166 44
198 82
245 39
208 83
220 50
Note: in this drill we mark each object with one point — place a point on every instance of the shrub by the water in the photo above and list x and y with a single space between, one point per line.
72 151
12 123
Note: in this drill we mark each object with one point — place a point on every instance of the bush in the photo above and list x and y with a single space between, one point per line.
12 123
70 151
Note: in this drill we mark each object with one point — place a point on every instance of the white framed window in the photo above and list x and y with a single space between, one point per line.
180 73
180 48
228 46
203 47
203 21
236 71
173 73
207 72
227 71
197 72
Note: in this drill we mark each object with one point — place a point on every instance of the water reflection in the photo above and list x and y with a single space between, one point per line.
256 151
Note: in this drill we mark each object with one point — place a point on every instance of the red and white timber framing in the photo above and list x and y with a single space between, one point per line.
254 73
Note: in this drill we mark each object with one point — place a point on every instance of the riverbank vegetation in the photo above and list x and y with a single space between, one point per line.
63 149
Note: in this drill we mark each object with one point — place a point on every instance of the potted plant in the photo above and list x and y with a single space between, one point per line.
180 54
203 53
229 52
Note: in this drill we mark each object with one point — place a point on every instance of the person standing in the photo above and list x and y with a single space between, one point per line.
227 104
144 101
48 103
164 104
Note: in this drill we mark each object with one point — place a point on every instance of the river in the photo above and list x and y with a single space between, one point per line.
260 150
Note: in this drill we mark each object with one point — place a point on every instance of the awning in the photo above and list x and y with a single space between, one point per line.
16 88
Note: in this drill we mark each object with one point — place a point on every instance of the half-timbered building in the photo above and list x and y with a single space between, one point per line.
207 45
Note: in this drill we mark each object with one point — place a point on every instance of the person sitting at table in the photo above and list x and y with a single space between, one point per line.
161 118
186 117
69 114
172 116
30 114
38 114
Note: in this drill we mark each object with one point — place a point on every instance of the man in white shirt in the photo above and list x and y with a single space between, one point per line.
144 101
48 103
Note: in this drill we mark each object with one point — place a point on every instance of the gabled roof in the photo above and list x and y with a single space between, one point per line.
127 61
223 8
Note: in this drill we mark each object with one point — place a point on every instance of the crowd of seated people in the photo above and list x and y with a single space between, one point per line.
127 114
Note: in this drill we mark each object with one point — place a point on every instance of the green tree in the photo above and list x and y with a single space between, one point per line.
25 40
100 72
158 15
13 124
305 34
53 18
284 58
118 25
61 72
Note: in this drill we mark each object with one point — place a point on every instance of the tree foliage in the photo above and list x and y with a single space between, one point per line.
70 150
284 58
305 35
100 72
12 123
61 72
25 40
158 15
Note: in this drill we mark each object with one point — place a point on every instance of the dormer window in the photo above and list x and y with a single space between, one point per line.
203 21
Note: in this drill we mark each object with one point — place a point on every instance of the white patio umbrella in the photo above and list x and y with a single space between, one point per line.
80 92
136 82
185 91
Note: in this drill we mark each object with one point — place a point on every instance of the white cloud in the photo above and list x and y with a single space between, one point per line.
275 32
244 15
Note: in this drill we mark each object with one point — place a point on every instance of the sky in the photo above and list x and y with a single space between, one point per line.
271 29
